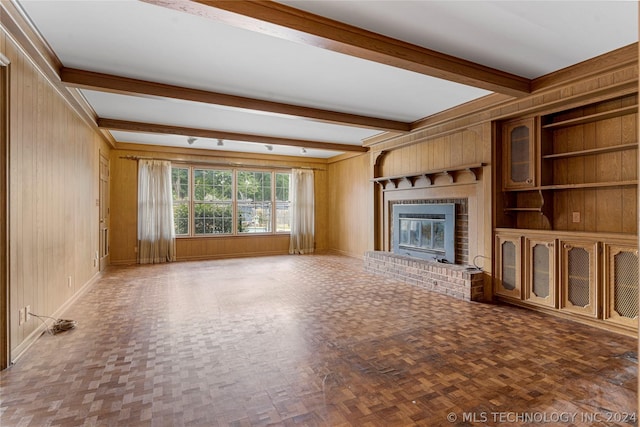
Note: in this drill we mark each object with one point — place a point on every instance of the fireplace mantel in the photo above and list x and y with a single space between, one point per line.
452 173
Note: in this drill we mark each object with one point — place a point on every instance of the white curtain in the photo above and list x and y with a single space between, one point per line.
156 236
302 212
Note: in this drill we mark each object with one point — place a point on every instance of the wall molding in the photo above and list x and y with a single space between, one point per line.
5 321
190 155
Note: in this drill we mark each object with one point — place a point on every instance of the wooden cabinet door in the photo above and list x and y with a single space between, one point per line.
540 276
508 281
519 154
578 277
621 284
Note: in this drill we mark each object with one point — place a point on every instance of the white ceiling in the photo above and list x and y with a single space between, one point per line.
526 38
149 42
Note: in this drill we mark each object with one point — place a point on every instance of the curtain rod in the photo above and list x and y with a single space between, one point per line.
227 164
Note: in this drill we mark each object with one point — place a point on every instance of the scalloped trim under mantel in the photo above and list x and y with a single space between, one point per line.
452 173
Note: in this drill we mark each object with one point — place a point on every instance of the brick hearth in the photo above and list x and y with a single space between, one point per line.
458 281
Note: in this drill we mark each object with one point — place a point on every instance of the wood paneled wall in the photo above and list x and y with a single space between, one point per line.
53 188
459 148
351 198
124 178
350 218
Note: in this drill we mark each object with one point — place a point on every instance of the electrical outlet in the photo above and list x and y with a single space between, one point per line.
575 217
21 316
27 316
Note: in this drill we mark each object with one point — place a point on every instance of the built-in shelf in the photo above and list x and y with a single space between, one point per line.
592 151
592 117
579 185
590 185
538 201
451 173
523 209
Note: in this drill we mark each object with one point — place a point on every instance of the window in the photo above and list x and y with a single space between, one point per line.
231 202
180 189
212 203
254 202
283 218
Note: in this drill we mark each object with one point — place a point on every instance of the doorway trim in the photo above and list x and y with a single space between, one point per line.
5 322
104 202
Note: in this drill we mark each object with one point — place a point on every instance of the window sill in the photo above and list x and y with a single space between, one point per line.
235 236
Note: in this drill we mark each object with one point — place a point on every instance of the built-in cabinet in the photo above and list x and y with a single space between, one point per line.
585 276
566 211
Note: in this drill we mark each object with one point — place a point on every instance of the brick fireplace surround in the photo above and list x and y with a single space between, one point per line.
456 280
459 281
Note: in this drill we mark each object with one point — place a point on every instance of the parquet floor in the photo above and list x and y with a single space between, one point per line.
312 341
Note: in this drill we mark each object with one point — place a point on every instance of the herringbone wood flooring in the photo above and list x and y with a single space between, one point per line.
308 340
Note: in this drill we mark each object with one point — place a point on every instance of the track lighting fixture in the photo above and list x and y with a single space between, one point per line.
220 142
303 150
191 140
268 147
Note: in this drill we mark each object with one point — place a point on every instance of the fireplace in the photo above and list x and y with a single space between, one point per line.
429 243
425 230
424 234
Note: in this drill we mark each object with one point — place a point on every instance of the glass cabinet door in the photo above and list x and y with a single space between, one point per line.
540 272
508 281
621 284
519 154
578 269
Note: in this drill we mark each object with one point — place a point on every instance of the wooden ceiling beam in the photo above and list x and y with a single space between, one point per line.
127 126
124 85
292 24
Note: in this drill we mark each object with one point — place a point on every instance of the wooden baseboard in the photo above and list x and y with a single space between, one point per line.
124 262
598 323
345 253
33 336
230 256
